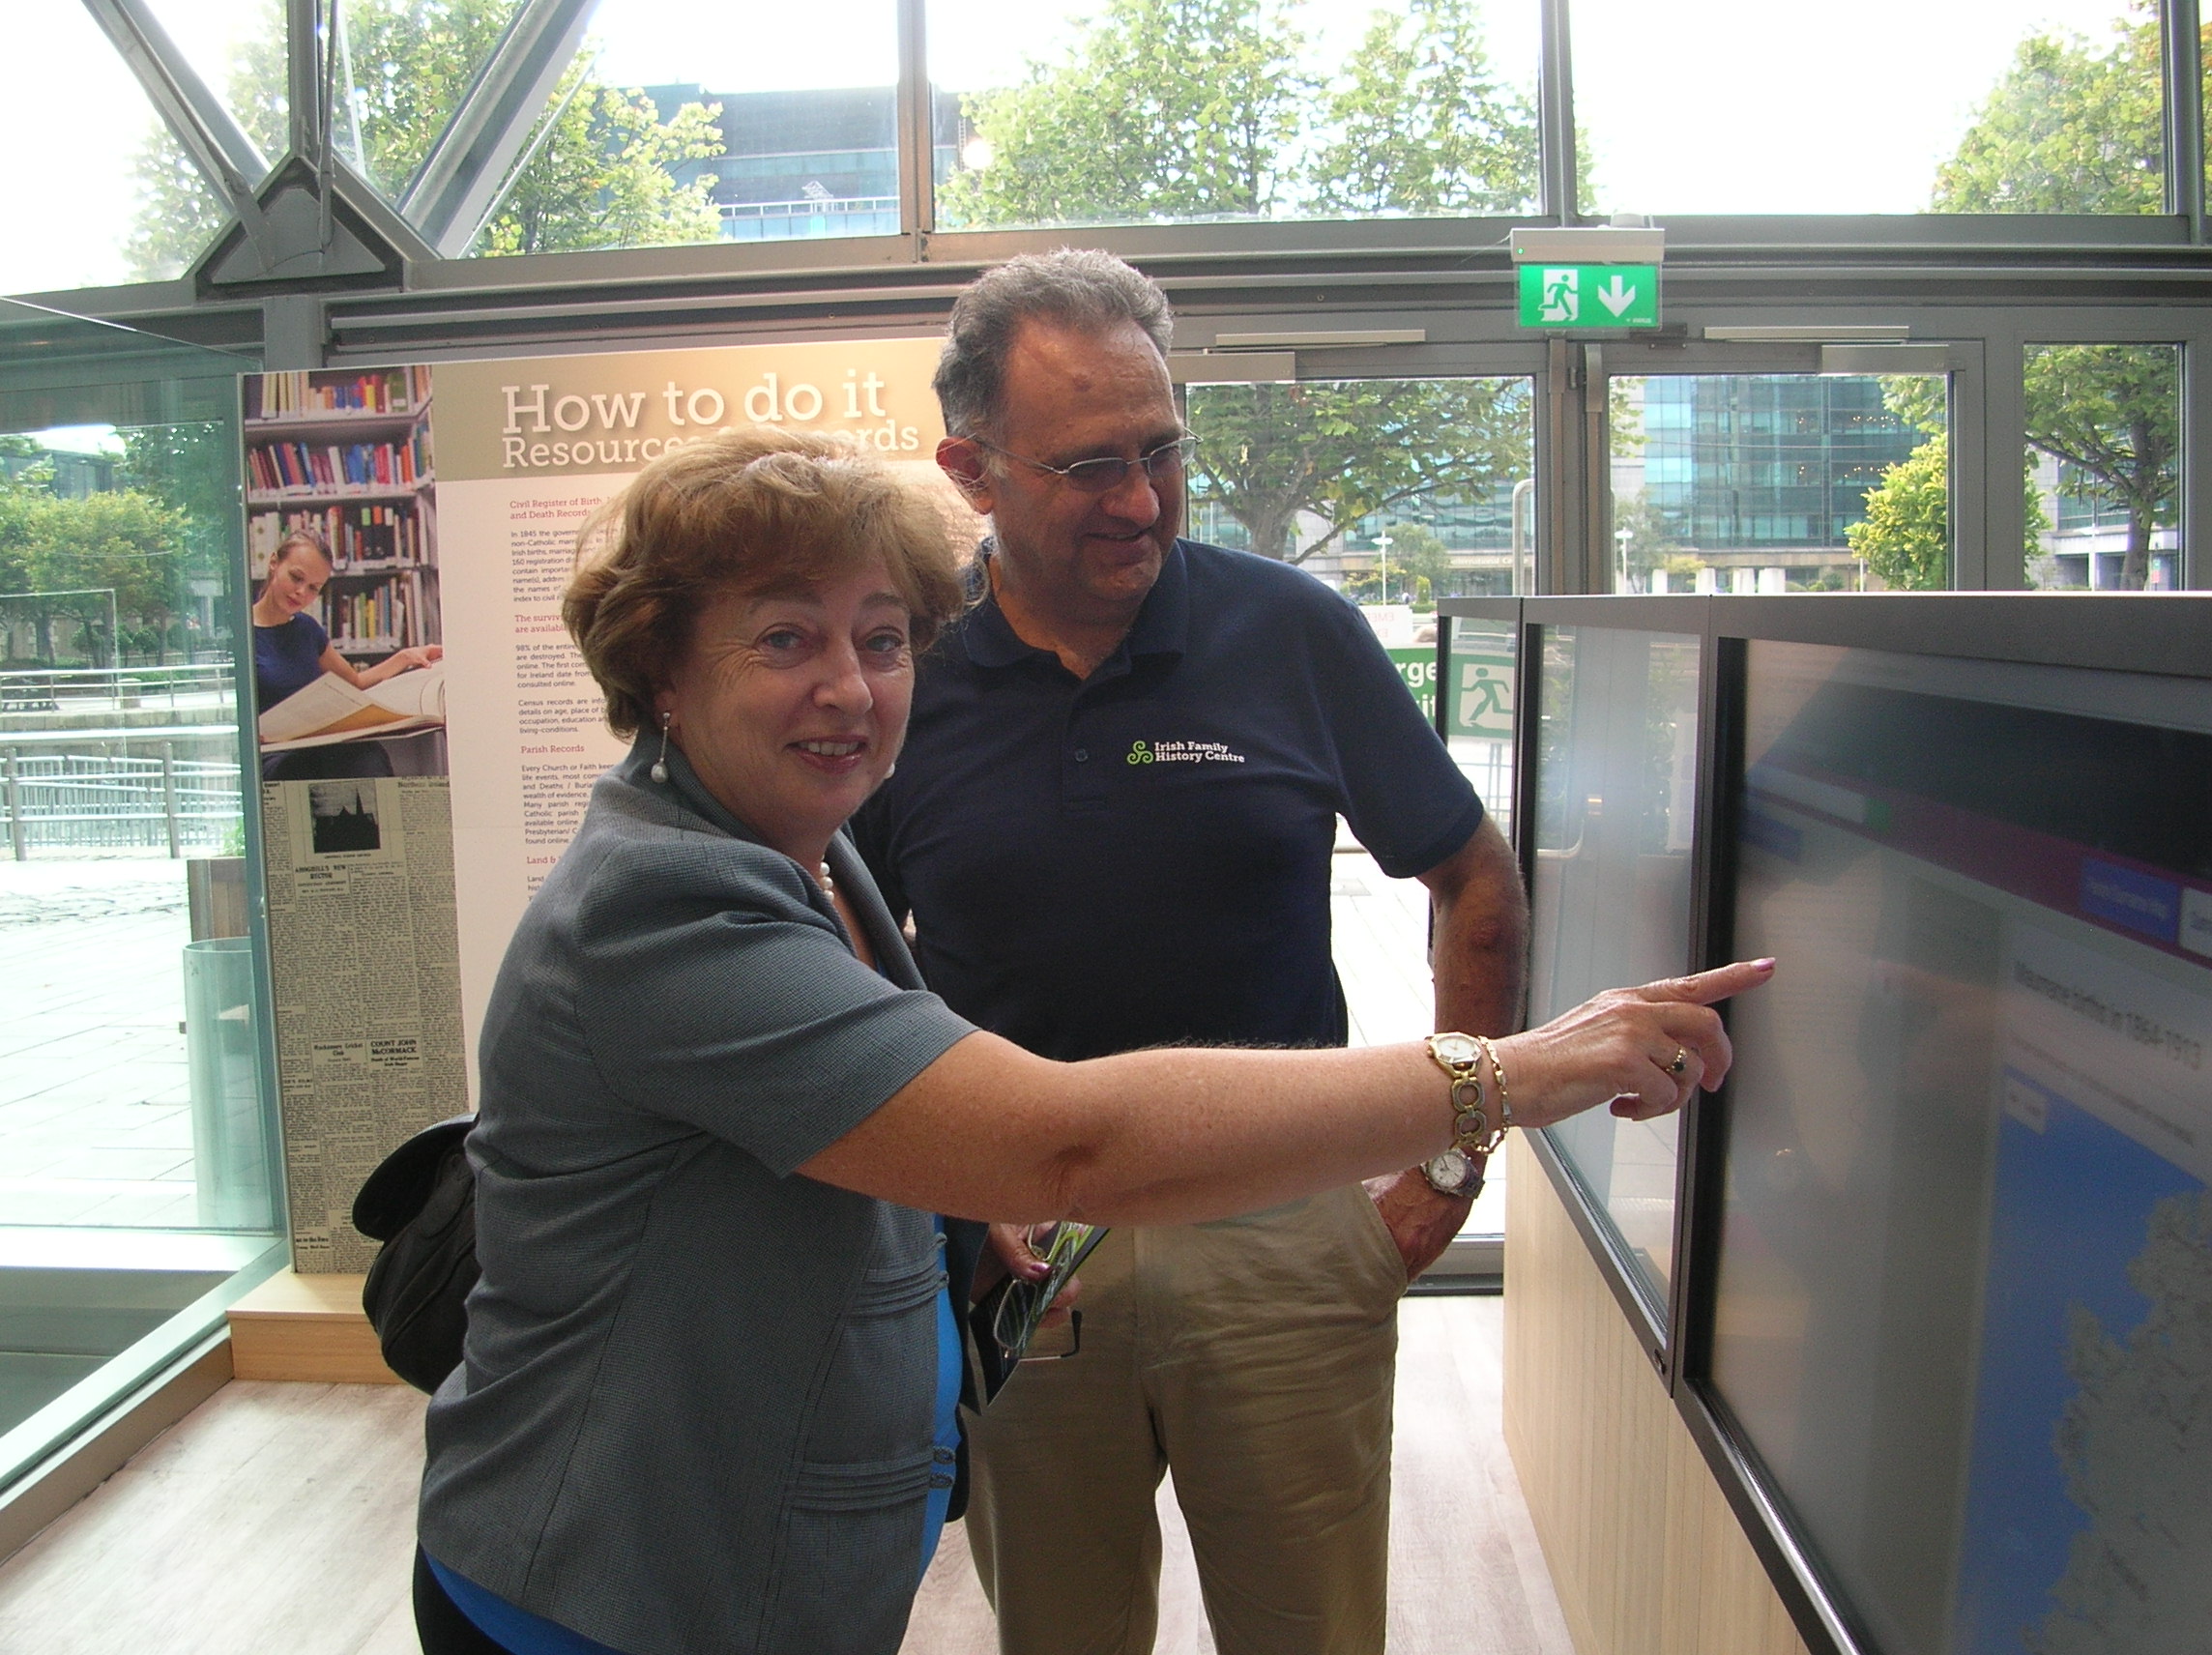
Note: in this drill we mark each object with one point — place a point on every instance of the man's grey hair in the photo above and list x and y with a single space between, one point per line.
1069 287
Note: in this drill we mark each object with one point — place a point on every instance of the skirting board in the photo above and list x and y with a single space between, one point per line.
306 1327
91 1458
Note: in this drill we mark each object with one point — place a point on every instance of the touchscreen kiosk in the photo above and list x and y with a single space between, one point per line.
1962 1306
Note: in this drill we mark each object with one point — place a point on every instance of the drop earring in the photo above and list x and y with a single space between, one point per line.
659 770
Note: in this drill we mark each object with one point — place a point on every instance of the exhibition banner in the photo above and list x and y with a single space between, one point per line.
405 832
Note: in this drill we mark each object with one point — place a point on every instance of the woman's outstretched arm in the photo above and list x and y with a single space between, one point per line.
1178 1135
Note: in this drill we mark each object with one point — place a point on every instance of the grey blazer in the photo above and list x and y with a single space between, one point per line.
694 1412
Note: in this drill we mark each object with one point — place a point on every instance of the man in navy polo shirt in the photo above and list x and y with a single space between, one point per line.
1113 824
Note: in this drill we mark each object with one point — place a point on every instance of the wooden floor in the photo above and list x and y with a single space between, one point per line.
278 1519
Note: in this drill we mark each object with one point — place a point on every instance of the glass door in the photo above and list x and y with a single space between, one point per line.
1774 482
1394 491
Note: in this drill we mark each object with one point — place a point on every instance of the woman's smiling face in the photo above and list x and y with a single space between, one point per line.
792 706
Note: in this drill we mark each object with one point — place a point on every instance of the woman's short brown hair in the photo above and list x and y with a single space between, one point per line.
748 511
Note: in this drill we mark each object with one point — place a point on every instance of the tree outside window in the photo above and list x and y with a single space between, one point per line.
2076 126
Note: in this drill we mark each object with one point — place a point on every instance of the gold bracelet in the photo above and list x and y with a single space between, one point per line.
1461 1060
1504 1103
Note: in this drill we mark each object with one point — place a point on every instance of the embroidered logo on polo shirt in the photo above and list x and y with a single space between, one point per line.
1183 753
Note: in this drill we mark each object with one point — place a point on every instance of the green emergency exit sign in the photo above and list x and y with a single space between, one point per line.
1562 296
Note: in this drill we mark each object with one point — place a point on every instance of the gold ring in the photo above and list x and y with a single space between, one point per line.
1681 1060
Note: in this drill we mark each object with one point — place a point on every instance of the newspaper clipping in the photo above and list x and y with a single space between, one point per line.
368 1028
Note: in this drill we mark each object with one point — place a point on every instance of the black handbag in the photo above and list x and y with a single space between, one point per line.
421 1204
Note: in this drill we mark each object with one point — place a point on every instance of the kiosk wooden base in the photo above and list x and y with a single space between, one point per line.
1644 1553
305 1327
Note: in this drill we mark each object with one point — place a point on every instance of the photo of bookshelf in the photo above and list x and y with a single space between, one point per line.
345 455
342 455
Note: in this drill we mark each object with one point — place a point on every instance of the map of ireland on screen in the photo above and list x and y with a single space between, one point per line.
2089 1501
2138 1457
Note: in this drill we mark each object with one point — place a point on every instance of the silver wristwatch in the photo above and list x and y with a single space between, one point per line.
1454 1173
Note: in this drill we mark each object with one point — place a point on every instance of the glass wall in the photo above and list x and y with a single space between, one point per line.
2105 467
1478 724
227 41
674 125
138 1168
1780 483
1902 106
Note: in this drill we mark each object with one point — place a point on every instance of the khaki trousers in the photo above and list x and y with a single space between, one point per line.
1255 1357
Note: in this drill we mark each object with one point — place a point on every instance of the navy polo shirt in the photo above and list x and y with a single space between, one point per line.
1143 857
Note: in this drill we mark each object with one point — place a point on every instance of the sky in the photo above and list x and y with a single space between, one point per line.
1691 105
1753 106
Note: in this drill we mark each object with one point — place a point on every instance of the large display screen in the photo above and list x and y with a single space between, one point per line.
1615 785
1963 1309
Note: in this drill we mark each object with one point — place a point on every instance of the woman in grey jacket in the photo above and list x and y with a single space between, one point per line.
707 1398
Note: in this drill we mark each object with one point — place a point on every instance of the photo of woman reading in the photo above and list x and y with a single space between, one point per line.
292 651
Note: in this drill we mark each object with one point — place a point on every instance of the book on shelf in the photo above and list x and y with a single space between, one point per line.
276 466
331 709
386 616
305 394
360 538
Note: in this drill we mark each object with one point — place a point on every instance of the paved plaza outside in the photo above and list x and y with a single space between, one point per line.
95 1124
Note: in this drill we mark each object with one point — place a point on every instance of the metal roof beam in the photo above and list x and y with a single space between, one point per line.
461 180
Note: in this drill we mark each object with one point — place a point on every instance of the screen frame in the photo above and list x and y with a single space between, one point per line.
2167 634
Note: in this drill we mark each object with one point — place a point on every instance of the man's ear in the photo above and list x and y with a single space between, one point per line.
961 458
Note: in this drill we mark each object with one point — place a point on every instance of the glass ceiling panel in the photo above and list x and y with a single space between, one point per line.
1884 106
1073 112
762 122
80 134
237 47
400 69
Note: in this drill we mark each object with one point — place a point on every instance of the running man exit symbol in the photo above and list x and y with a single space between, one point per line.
1590 296
1561 301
